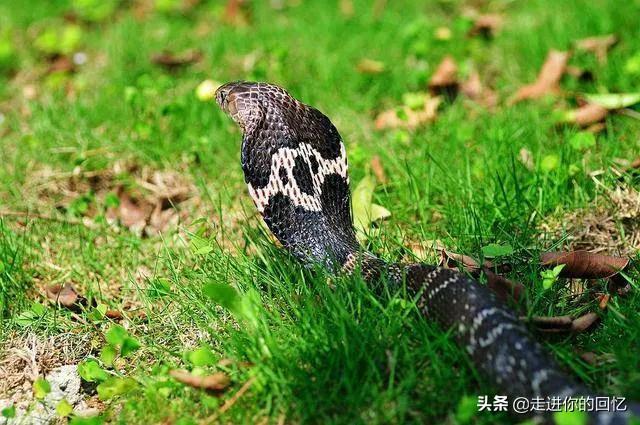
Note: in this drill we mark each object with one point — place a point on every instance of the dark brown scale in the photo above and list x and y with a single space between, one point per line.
497 342
302 175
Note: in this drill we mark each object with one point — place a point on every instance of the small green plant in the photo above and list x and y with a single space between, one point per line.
41 388
549 277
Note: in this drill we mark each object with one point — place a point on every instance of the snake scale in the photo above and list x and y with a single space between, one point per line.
295 166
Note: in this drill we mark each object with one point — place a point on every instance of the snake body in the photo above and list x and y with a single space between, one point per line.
295 166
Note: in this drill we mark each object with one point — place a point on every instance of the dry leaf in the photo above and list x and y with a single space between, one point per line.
548 78
65 295
133 214
596 128
504 288
599 45
551 323
378 169
486 25
584 264
114 314
474 90
61 64
451 260
584 322
445 77
236 13
604 301
215 382
408 118
370 66
526 158
589 357
586 115
173 61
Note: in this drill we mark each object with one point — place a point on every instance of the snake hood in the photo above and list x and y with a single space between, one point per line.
295 166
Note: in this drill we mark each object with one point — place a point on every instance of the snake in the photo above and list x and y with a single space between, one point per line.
295 166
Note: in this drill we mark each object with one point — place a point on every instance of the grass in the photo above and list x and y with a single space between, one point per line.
313 352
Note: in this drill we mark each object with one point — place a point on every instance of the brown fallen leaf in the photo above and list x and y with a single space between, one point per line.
598 45
445 78
486 25
551 323
504 288
604 301
589 357
214 382
172 61
406 117
451 260
370 66
584 264
584 322
596 128
114 314
587 114
548 79
236 13
132 214
378 169
476 91
65 295
61 64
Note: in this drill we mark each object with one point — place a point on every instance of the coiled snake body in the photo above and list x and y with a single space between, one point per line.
295 166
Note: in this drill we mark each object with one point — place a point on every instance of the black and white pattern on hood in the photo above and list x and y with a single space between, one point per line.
298 173
295 165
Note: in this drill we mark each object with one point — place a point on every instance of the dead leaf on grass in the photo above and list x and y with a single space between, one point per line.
370 66
451 260
504 288
555 324
476 91
526 158
548 79
587 114
378 169
598 45
215 382
406 117
551 323
65 295
236 12
172 61
584 264
61 64
486 25
445 78
132 213
584 322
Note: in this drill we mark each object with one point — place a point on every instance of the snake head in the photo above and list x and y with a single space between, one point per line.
247 103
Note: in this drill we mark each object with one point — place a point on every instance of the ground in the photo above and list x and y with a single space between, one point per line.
120 179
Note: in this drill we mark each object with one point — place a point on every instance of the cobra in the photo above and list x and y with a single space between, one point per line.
295 166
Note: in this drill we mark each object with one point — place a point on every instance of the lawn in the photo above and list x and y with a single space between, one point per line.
122 197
